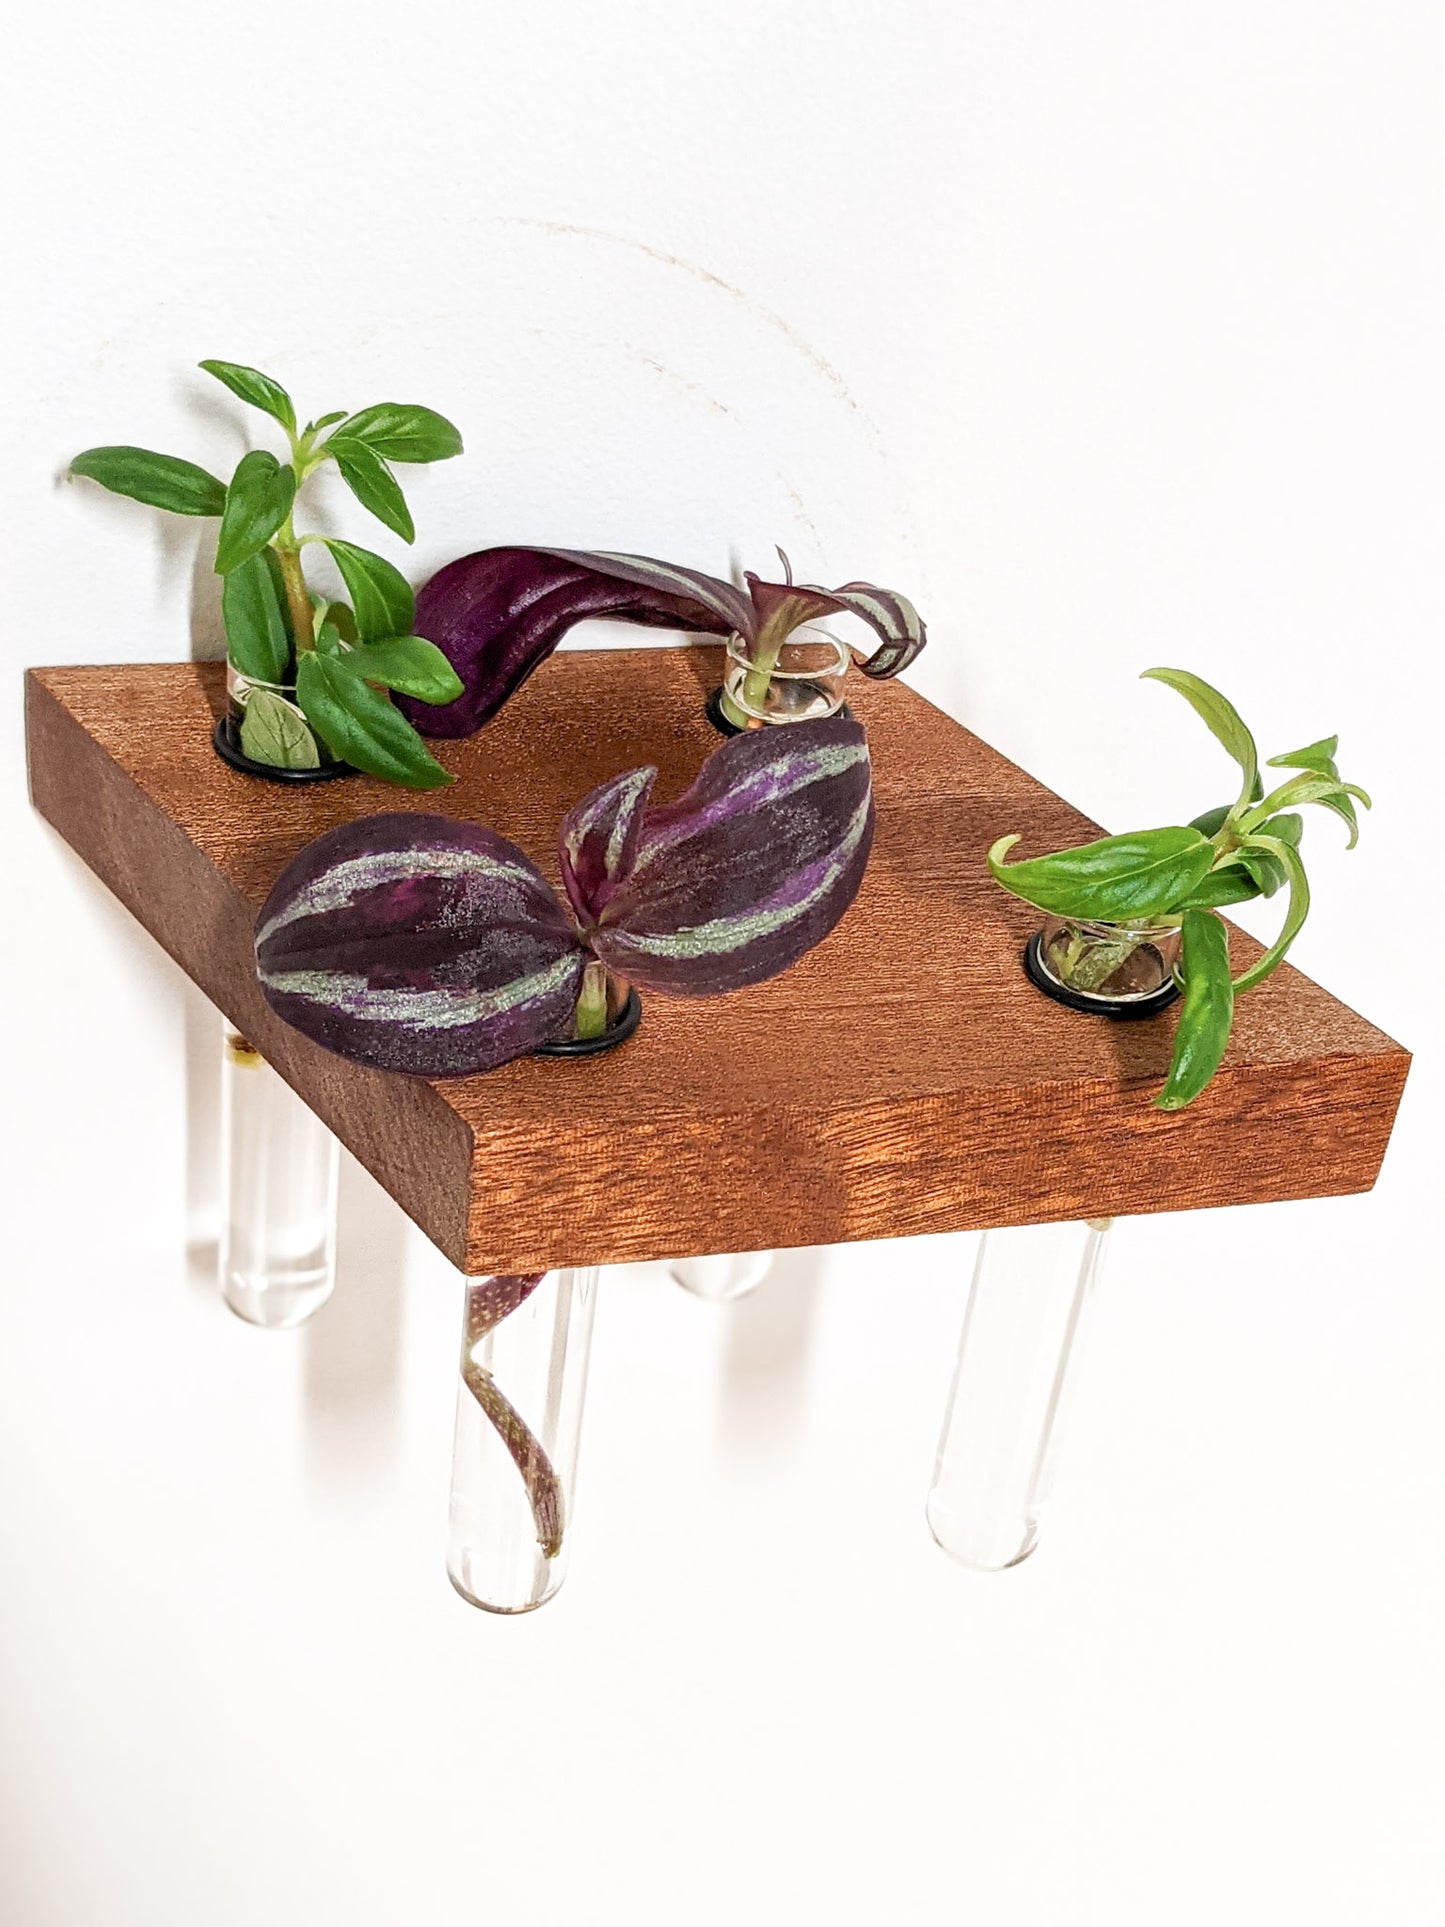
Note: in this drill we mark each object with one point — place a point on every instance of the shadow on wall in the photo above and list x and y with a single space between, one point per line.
353 1344
762 1394
203 1137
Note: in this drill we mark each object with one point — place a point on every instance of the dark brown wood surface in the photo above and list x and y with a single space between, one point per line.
905 1077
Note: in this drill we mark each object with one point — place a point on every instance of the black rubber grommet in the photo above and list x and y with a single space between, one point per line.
1092 1006
617 1032
725 726
226 743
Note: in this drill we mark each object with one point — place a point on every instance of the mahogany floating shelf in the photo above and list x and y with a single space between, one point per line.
904 1077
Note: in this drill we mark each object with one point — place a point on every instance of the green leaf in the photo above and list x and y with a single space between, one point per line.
1318 756
362 727
1222 718
1297 909
1212 821
1344 808
372 483
1116 879
380 593
337 616
258 389
403 432
1267 871
161 481
1230 883
1310 786
257 503
410 664
1206 1013
256 638
272 732
325 421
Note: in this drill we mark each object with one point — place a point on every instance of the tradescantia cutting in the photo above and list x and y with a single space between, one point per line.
423 944
1179 877
311 672
498 614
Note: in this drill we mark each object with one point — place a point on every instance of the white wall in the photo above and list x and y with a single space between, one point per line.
1113 333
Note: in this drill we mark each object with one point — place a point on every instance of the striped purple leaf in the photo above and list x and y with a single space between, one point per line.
416 943
498 614
599 841
749 869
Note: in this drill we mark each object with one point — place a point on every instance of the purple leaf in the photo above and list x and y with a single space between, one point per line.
781 606
416 943
749 869
599 840
498 614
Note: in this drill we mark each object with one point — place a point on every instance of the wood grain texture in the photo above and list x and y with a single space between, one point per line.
904 1077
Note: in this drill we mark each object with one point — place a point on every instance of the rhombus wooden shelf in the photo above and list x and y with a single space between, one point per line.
904 1077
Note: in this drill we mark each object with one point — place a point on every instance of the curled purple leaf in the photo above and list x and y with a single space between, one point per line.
782 606
599 840
498 614
416 943
755 864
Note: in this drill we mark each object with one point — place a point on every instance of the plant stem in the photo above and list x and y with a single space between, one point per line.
590 1017
763 660
298 600
488 1304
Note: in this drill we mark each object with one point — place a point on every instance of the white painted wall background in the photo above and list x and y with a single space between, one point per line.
1114 334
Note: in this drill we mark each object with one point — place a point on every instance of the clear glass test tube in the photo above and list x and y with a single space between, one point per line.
278 1194
526 1342
1023 1330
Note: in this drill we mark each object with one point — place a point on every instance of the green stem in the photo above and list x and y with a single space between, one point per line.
758 681
298 600
590 1018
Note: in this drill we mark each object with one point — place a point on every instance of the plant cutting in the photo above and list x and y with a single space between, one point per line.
308 675
422 944
497 615
1134 917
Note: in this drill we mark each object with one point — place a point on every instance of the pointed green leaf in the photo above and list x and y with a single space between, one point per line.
372 483
1343 807
380 593
160 481
1310 786
1206 1013
404 432
1222 718
409 664
272 732
257 389
325 421
1318 756
362 727
257 503
256 638
1116 879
